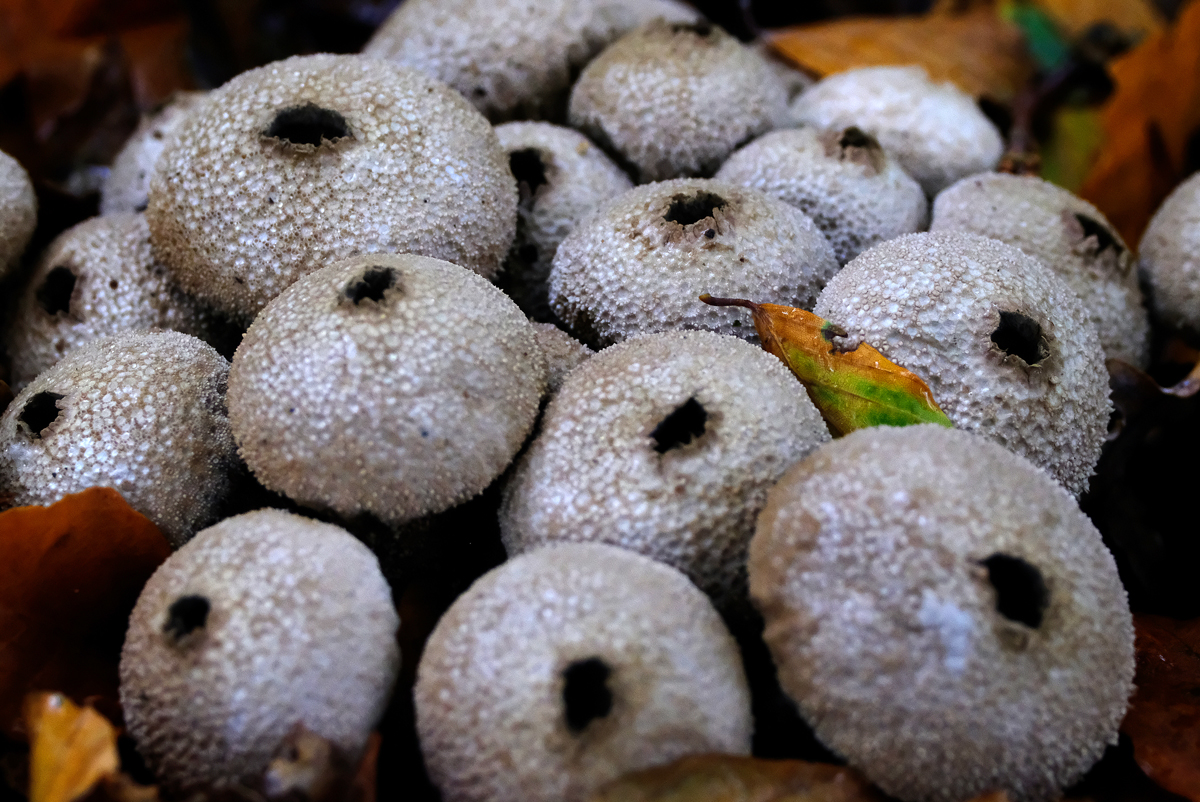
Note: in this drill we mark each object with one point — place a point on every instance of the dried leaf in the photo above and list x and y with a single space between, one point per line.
1071 150
72 748
69 576
308 768
1164 715
977 50
1148 121
852 389
1135 18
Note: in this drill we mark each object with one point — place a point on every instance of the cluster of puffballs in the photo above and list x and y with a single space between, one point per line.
471 255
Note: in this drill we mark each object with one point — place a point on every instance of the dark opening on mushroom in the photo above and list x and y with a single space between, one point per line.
185 615
701 28
586 696
854 137
1020 336
309 124
529 169
373 284
689 209
680 427
1104 238
40 411
1021 592
54 295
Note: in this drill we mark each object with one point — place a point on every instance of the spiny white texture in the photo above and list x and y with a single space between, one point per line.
561 176
490 686
18 212
675 99
140 412
1067 234
300 629
595 472
627 269
404 403
511 58
935 131
562 351
885 625
127 188
932 303
239 215
852 189
96 278
1170 256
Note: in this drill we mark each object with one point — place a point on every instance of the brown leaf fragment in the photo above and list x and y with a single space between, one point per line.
1164 714
72 748
1132 17
308 768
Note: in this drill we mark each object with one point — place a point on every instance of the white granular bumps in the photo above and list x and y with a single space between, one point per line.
18 212
944 615
294 165
565 668
561 176
1006 347
675 99
1169 257
639 263
562 351
127 188
666 445
261 623
140 412
854 191
388 385
1068 235
512 59
95 279
935 131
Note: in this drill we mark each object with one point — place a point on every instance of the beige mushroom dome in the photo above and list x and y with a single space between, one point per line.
127 188
18 212
1170 257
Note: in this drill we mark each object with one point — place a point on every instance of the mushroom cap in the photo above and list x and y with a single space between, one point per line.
569 666
666 445
675 99
561 176
854 191
935 131
262 622
511 58
127 188
638 263
18 212
293 165
944 615
140 412
97 278
1004 345
562 351
389 384
1169 257
1067 234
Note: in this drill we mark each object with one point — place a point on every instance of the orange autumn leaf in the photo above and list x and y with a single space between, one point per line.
1147 123
72 748
1132 17
69 576
1164 714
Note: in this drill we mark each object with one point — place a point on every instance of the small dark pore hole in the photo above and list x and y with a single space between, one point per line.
373 284
854 137
308 125
529 170
680 427
701 28
40 411
688 209
1104 238
1020 336
54 295
185 615
586 696
1021 593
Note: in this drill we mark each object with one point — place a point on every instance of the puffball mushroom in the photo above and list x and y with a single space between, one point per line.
562 351
392 385
944 615
304 161
1005 346
262 622
140 412
935 131
1168 257
569 666
18 212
